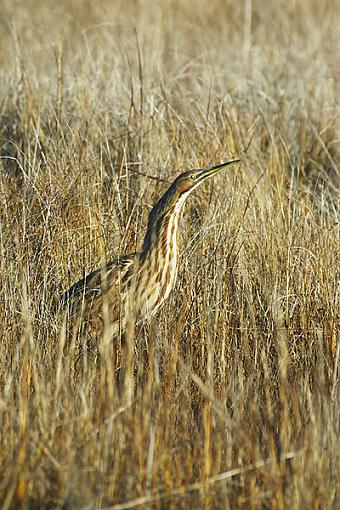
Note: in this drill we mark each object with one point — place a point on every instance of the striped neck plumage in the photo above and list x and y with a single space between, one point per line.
163 222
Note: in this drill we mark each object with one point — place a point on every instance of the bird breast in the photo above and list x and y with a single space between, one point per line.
158 272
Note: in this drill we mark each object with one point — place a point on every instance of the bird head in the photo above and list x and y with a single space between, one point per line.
182 186
174 198
188 181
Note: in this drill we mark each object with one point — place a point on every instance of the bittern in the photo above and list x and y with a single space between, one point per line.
137 285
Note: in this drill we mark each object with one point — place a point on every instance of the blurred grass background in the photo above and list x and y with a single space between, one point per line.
102 104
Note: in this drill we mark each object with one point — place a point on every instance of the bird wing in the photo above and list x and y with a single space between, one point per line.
85 299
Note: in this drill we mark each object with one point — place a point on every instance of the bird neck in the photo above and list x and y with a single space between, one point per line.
162 233
158 260
163 222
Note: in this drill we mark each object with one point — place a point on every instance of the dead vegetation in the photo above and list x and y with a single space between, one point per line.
237 384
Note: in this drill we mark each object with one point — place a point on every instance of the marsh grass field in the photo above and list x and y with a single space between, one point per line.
236 384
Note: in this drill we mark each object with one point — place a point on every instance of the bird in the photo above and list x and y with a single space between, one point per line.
135 286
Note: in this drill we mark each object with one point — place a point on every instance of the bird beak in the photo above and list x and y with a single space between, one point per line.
208 172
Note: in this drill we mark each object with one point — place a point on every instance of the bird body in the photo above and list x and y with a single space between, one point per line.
137 285
84 301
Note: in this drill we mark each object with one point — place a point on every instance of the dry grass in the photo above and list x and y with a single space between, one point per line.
237 384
